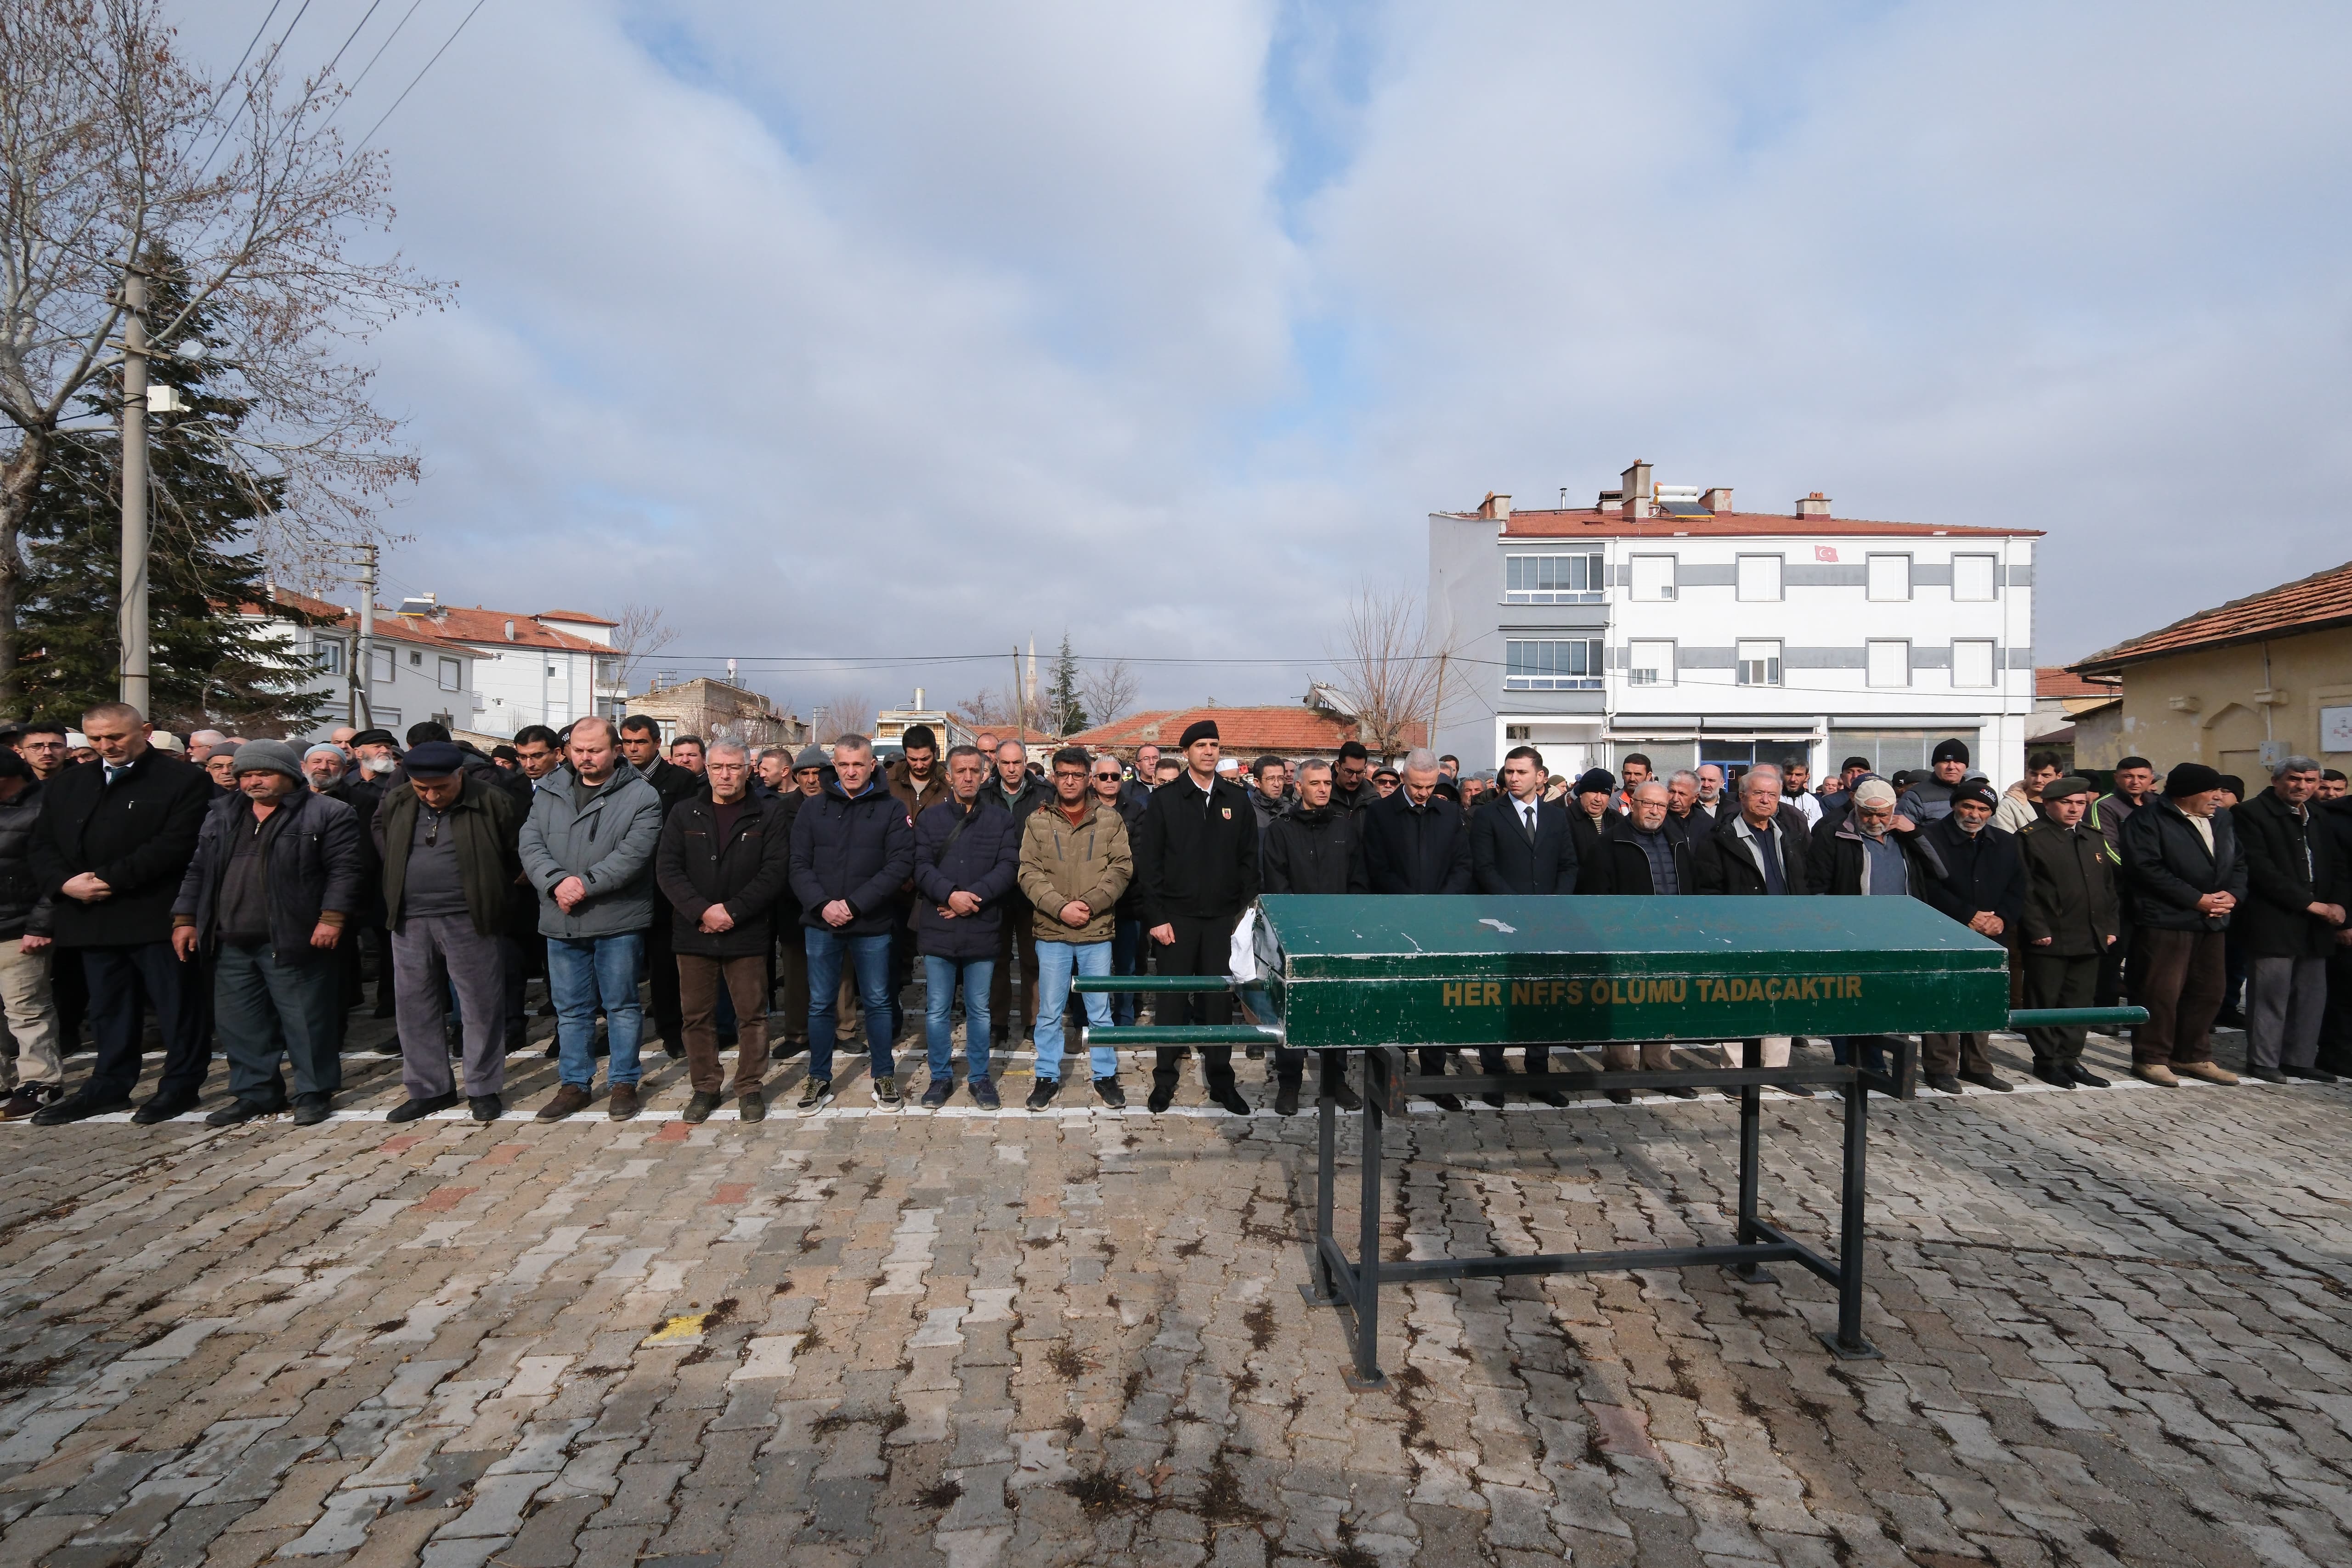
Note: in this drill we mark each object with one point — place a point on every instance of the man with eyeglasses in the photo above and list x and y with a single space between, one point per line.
43 747
449 844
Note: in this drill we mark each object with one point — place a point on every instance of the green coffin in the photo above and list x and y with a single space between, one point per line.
1362 971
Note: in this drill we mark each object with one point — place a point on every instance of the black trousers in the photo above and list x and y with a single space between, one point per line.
2335 1024
119 978
661 965
1490 1059
1290 1066
2059 982
1202 947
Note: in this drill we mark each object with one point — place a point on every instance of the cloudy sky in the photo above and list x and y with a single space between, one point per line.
883 331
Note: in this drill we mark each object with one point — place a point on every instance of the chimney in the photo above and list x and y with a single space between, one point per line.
1612 501
1814 505
1635 483
1498 507
1718 500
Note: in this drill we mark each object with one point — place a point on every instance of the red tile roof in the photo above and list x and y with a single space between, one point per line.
2311 604
582 617
1592 522
488 628
1245 732
2054 681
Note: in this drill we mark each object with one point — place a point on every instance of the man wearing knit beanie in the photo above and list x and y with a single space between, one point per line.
2185 873
278 871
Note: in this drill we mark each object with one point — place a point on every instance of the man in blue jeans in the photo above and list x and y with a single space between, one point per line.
1074 863
965 857
853 852
588 848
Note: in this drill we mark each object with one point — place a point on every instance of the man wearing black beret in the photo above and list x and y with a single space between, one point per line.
1196 862
1978 881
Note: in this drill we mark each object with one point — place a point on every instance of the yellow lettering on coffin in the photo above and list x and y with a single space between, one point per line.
1453 995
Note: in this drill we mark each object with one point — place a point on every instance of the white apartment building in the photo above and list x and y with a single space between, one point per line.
548 667
417 673
1661 620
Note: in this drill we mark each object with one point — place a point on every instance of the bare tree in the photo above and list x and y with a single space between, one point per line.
641 633
1106 691
116 153
848 713
1387 670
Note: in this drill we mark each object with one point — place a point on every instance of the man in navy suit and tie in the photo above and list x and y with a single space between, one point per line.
1522 842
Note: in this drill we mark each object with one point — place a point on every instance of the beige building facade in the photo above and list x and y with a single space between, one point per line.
2238 688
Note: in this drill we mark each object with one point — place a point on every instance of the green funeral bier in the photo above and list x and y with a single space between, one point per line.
1348 971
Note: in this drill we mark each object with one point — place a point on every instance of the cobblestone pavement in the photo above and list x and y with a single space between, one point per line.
2115 1328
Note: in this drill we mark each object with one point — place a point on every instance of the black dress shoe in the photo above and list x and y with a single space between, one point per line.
1681 1091
416 1109
1343 1097
1551 1097
1162 1096
1992 1081
2075 1075
1621 1096
1446 1101
76 1108
1494 1100
237 1113
2268 1075
2058 1075
2311 1074
1943 1082
162 1110
1285 1098
487 1106
1231 1099
311 1109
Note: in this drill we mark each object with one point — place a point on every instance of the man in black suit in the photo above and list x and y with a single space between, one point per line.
641 744
1196 860
1415 841
1522 842
114 840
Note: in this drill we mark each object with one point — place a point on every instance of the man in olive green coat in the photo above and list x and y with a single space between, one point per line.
1074 863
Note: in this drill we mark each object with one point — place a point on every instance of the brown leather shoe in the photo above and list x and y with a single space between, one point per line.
2206 1071
2155 1072
569 1098
623 1105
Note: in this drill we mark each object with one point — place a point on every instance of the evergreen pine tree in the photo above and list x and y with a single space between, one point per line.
208 666
1068 714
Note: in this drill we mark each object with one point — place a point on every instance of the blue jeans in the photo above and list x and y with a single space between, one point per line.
1872 1051
940 977
869 959
1055 961
1126 958
583 971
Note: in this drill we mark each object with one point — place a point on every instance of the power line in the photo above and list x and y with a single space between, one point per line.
230 80
388 37
354 33
420 75
222 140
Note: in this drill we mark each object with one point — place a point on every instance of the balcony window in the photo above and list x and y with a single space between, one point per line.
1760 662
1889 663
1653 577
1973 578
1571 665
1553 580
1890 577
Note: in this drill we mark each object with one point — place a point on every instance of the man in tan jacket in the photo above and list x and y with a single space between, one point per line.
1074 863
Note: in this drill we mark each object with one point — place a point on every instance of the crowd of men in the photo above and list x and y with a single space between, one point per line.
223 888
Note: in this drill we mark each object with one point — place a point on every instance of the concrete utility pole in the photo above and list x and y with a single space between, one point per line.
363 671
131 623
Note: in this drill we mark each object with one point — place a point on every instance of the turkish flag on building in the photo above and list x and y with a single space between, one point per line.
1824 551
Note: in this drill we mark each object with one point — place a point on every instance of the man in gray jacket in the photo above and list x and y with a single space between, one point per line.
588 848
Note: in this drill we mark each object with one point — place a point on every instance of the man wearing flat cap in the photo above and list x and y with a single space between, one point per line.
1196 860
277 871
2183 875
2069 921
448 842
1974 878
